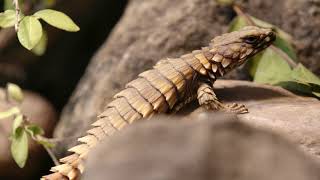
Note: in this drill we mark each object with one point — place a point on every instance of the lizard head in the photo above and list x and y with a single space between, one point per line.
232 49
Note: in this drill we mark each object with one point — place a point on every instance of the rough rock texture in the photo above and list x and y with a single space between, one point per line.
151 30
275 109
296 119
211 146
39 111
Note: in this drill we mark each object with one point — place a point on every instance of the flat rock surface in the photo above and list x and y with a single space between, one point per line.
296 119
208 146
276 109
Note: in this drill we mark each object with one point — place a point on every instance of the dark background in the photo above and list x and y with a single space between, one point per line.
56 73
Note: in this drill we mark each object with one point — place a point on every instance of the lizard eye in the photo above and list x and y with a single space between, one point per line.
251 39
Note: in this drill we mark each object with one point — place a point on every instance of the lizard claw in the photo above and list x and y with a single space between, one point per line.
235 108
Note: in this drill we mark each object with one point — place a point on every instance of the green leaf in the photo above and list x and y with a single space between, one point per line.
7 18
33 130
12 111
299 80
316 94
286 47
8 4
302 74
19 147
15 92
315 88
271 69
16 124
237 23
41 47
252 64
57 19
30 32
296 87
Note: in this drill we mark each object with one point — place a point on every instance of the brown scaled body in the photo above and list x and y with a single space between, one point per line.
167 87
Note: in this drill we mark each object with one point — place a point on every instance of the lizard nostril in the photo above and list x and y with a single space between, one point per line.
271 34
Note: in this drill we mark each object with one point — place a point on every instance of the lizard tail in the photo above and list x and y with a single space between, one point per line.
54 176
118 114
153 92
72 165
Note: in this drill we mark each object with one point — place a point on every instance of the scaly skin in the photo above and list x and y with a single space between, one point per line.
166 88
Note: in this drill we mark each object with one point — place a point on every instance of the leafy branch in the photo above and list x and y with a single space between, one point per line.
22 128
28 27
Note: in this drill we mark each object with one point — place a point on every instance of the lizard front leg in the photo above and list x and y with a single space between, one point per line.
208 99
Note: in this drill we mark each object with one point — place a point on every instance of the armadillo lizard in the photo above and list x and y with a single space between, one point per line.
165 88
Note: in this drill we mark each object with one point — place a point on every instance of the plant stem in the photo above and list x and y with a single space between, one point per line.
37 138
250 22
52 156
17 8
240 13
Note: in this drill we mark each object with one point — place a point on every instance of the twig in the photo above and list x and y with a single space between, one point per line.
17 8
52 156
39 138
57 140
244 15
54 141
250 22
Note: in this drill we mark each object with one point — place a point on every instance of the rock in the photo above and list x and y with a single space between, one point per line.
208 146
275 109
235 91
41 112
296 119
